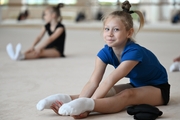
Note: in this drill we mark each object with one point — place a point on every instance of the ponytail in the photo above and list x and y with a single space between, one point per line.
58 11
141 18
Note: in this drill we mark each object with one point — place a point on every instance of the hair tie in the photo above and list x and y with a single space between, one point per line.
131 12
127 11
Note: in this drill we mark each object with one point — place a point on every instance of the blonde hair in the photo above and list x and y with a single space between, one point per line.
125 16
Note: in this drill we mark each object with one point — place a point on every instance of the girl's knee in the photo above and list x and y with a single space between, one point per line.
127 93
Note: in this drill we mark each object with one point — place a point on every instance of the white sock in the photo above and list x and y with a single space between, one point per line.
77 106
175 67
48 101
18 55
9 49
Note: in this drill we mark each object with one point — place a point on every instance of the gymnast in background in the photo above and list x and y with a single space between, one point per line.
53 46
175 67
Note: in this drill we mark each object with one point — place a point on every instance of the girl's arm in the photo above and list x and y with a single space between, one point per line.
121 71
55 35
95 79
38 38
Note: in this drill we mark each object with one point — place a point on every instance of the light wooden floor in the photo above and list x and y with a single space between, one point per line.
24 83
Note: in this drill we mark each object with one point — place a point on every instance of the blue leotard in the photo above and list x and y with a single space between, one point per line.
148 71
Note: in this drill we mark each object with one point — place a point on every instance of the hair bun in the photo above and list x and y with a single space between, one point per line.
60 5
126 6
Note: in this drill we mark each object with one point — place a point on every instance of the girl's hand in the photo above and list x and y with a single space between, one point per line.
55 106
30 50
177 59
38 51
81 116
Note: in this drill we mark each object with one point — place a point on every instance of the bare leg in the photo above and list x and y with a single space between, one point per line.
132 96
46 53
117 88
122 87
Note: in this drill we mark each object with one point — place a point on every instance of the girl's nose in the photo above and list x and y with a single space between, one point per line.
110 33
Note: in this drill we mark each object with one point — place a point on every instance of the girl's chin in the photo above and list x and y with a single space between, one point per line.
109 45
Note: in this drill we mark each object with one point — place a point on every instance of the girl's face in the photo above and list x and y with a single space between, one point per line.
47 16
115 33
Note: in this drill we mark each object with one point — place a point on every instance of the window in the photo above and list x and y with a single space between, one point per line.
114 2
3 2
68 2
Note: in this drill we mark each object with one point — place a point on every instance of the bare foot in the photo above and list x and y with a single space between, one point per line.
55 106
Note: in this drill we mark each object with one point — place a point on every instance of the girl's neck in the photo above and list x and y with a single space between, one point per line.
118 50
54 22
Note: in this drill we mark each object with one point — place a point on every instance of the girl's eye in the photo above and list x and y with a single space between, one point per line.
116 29
106 29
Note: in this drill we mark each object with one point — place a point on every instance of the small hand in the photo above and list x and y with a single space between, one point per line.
30 50
177 59
81 116
55 106
38 51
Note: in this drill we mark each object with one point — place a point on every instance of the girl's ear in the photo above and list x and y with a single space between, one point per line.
130 33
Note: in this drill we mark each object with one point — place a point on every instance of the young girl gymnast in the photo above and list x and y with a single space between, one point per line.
52 46
147 76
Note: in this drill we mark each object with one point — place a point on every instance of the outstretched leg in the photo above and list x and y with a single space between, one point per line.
45 53
132 96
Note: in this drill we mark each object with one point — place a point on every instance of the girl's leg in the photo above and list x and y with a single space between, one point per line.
132 96
122 87
116 89
113 91
45 53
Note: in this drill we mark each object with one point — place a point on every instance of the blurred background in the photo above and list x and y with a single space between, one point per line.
88 10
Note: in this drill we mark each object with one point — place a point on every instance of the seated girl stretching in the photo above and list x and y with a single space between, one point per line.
175 67
53 46
147 76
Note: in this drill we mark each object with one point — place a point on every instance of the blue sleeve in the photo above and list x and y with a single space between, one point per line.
132 54
103 56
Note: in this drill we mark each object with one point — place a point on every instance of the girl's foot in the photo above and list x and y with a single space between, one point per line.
9 49
175 67
18 55
77 106
47 102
